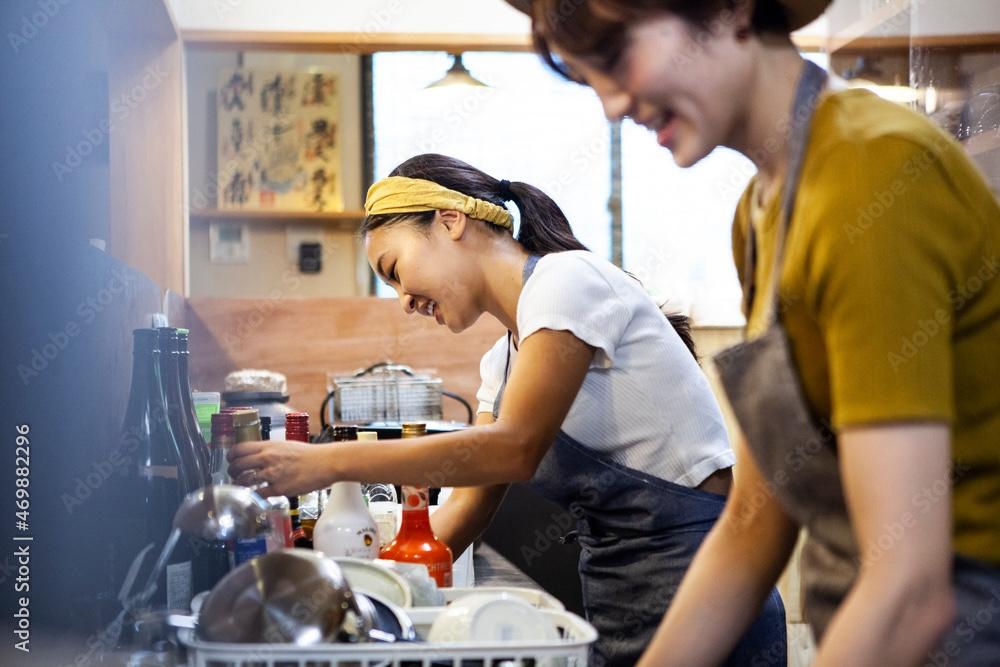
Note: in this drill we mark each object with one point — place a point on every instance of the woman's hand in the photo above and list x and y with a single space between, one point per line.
286 468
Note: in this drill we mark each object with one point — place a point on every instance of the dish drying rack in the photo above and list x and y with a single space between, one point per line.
570 650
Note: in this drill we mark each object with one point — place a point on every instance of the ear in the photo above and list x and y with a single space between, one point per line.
454 223
741 19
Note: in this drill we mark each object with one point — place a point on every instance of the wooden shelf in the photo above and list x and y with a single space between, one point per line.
861 35
346 220
849 37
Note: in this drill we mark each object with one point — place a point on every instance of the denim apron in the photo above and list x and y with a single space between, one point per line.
797 453
638 534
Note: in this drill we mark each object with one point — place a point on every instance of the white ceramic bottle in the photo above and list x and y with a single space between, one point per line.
346 527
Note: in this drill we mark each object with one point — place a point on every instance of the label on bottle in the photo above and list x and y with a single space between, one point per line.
441 573
415 497
249 548
179 585
280 535
366 545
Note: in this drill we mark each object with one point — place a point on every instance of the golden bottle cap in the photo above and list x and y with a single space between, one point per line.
414 429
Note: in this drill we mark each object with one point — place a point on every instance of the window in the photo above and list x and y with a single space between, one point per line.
677 227
528 125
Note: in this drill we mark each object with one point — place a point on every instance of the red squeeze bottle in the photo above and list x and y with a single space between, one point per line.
416 542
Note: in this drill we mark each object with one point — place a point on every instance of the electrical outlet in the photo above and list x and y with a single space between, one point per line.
296 235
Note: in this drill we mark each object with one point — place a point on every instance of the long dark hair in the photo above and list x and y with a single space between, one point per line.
543 230
598 28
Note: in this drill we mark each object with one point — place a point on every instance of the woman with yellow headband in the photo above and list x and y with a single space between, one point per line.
592 395
868 245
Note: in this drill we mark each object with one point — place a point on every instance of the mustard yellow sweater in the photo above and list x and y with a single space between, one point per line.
890 292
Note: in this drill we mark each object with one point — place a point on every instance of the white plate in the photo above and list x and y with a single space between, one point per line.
491 617
368 577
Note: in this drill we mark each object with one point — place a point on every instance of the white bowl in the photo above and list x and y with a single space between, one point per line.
486 617
368 577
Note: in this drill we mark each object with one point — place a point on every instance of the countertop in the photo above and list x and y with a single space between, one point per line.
492 569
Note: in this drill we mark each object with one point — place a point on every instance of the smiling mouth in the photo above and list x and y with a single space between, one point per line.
431 309
665 127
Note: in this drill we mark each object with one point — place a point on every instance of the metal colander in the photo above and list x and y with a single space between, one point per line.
385 392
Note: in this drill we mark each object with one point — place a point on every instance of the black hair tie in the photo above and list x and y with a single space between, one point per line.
505 193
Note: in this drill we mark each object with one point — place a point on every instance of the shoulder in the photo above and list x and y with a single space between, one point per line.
857 130
576 281
576 263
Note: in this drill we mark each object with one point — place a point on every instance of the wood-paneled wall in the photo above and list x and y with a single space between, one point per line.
307 338
146 131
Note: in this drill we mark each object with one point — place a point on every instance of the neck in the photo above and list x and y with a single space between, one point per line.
764 136
503 269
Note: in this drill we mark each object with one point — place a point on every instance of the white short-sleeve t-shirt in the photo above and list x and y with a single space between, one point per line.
645 402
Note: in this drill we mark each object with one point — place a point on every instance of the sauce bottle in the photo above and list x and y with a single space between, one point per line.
416 541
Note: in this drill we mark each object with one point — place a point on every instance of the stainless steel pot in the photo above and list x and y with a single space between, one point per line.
291 596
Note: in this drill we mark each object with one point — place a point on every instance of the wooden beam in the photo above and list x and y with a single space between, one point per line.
353 42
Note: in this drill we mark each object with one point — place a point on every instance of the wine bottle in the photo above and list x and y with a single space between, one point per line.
187 402
153 482
170 377
416 541
307 505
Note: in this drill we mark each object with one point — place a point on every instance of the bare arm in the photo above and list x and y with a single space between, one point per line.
897 481
543 385
730 577
468 510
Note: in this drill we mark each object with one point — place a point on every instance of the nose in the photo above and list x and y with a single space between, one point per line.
408 301
617 103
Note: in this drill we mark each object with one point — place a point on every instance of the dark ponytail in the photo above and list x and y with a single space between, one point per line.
682 325
544 228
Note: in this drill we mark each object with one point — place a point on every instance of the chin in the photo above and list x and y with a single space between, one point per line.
688 153
460 324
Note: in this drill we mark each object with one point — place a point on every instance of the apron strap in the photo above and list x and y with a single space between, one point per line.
807 94
529 268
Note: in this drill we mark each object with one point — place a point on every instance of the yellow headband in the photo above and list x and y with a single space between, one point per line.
399 194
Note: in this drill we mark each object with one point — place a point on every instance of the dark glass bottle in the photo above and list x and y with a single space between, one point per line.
299 539
152 484
170 372
200 439
297 428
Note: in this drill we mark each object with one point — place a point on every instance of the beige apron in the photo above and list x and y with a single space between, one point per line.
797 453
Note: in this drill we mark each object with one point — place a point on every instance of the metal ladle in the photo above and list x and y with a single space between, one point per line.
216 512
